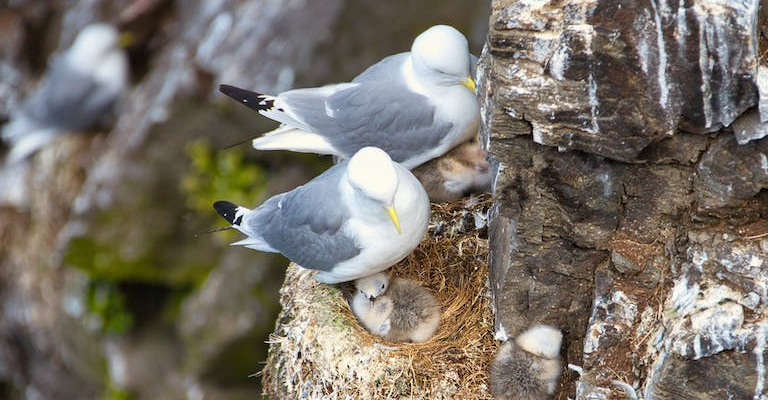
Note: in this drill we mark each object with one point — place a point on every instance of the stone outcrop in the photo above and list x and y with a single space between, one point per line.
611 78
631 199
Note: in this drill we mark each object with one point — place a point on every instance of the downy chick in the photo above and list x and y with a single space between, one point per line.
528 367
461 171
398 309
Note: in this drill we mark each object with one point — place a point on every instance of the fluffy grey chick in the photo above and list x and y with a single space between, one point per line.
398 309
461 171
81 86
528 367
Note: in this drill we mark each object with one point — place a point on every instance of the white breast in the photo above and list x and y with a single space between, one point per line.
382 245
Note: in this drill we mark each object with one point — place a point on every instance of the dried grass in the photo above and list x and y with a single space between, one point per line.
452 262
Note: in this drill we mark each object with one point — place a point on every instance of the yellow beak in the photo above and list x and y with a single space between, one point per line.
393 216
469 83
126 39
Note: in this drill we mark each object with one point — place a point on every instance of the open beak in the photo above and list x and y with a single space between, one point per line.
393 216
469 83
126 39
371 299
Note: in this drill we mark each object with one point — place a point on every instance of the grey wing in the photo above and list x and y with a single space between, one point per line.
305 223
386 69
385 114
68 99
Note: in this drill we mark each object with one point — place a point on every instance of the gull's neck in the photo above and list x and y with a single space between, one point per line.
411 78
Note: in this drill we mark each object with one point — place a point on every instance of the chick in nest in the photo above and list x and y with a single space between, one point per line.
528 367
397 309
461 171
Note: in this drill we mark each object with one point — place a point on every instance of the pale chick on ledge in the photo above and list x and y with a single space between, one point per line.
397 309
528 367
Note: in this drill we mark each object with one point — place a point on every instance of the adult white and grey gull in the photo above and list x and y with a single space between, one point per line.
415 105
78 91
357 218
80 88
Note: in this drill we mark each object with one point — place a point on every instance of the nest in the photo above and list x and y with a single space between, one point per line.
319 350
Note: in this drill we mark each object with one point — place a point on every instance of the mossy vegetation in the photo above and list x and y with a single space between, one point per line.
220 175
106 261
105 305
112 392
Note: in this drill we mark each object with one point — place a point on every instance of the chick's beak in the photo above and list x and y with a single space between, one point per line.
371 299
469 83
393 216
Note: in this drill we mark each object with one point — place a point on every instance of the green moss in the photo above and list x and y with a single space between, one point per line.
105 302
112 392
220 175
104 261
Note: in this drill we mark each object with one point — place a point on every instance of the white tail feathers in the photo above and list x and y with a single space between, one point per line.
294 139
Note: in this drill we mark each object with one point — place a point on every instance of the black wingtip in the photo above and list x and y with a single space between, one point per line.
228 89
253 100
228 211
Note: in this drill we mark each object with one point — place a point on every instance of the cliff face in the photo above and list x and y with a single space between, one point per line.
630 200
631 204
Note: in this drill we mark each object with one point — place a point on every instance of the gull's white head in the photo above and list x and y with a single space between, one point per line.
444 53
98 52
372 173
372 286
93 43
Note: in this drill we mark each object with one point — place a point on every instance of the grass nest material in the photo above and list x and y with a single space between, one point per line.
319 350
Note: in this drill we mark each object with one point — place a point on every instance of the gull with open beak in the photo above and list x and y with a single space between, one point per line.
357 218
414 105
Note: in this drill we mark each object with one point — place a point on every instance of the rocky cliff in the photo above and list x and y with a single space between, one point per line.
631 204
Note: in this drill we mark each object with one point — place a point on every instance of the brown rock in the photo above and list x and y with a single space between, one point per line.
610 78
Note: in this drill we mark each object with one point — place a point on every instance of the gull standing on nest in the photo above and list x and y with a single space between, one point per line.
398 309
357 218
415 105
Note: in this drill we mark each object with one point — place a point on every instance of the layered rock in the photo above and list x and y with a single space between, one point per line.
614 207
610 78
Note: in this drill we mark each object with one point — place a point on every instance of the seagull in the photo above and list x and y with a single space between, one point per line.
357 218
415 105
528 367
397 309
81 86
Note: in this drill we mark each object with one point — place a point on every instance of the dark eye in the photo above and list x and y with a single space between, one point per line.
382 286
361 291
